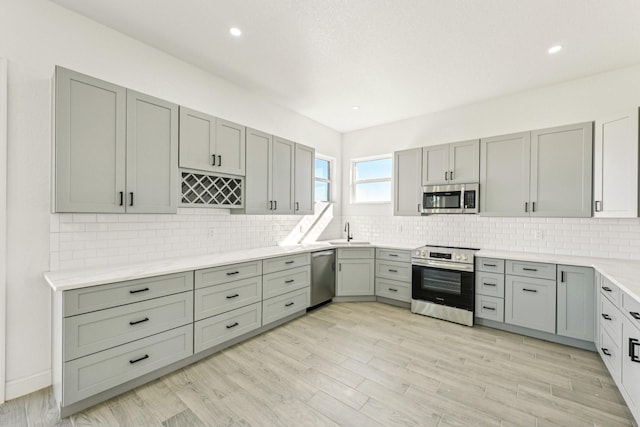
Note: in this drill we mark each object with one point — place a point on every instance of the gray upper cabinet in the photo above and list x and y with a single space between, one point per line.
152 154
211 144
455 163
545 173
90 143
116 149
504 175
269 175
576 302
407 168
304 182
615 160
561 171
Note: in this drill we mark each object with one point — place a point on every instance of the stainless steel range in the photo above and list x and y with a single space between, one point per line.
443 283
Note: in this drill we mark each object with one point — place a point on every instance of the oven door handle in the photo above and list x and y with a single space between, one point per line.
443 265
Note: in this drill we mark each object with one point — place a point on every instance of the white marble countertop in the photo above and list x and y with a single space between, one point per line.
623 273
80 278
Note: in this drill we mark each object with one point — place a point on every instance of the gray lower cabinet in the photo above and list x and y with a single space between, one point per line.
576 303
393 274
218 299
285 305
393 289
280 282
356 272
216 330
489 296
394 270
286 286
630 367
116 150
491 308
407 194
530 302
89 375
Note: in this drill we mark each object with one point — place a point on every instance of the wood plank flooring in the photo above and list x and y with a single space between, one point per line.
364 364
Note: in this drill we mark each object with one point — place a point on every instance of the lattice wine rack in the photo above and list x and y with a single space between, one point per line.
210 190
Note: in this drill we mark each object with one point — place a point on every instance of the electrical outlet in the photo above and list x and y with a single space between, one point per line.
212 233
538 235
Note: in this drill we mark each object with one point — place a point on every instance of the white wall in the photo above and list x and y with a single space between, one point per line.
36 35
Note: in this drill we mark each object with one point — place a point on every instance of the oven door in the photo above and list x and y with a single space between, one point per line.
443 285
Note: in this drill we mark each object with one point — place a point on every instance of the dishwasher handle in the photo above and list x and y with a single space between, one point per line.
323 253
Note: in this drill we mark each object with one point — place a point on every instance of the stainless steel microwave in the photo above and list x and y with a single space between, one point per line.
450 199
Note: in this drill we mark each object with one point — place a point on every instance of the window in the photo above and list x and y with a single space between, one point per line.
371 180
323 180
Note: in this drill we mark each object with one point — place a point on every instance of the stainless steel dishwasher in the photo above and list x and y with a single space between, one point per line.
323 276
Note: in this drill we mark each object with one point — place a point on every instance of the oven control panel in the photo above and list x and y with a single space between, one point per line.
445 253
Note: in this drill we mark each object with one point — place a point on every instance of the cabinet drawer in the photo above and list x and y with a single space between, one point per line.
214 300
101 371
285 281
490 284
284 305
92 332
393 255
631 308
285 262
491 265
393 270
531 269
227 273
392 289
530 303
223 327
356 253
609 290
78 301
610 318
612 358
491 308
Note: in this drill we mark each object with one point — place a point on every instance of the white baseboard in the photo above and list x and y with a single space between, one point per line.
22 386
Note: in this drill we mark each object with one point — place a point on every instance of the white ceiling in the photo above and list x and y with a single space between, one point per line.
394 58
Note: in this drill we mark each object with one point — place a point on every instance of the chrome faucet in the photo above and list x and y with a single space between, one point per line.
348 230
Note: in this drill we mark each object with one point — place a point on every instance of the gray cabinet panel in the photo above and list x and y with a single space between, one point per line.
197 140
230 147
631 365
393 255
84 300
435 164
101 371
218 329
282 176
610 353
304 182
576 303
491 265
284 305
258 192
227 273
286 281
356 253
407 171
92 332
393 270
464 162
504 175
90 143
152 154
530 303
488 307
218 299
610 318
355 277
561 171
393 289
540 270
271 265
490 284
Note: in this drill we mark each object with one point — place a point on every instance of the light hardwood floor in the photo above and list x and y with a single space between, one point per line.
364 364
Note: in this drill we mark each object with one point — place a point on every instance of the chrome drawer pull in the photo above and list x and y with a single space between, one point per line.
233 296
605 351
529 290
606 316
289 304
289 281
146 319
529 269
233 325
635 315
489 308
232 273
140 359
139 290
606 288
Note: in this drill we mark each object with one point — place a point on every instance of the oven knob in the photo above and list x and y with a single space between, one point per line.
417 253
464 257
456 257
423 253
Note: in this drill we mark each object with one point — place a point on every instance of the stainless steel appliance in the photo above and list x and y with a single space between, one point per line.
323 276
443 283
450 199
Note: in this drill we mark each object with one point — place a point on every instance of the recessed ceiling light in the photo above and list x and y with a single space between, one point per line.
555 49
355 107
236 32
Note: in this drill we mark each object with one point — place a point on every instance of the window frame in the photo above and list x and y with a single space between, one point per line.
355 182
331 165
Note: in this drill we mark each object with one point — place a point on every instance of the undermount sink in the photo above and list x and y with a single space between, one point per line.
351 243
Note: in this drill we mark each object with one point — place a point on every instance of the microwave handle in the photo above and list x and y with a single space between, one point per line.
462 198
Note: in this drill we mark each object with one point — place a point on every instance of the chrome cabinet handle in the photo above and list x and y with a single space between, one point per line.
419 210
598 207
297 206
446 174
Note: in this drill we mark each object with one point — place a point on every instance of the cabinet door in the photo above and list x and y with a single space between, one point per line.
631 365
90 143
576 303
258 168
230 147
355 277
282 176
530 303
304 170
464 162
435 163
615 174
561 171
197 140
504 175
407 198
152 154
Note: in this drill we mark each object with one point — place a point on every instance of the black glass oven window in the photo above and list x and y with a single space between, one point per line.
448 282
442 200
